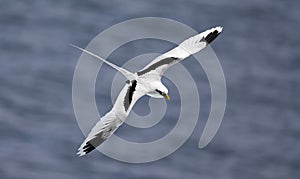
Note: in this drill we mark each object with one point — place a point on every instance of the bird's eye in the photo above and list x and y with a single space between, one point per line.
161 93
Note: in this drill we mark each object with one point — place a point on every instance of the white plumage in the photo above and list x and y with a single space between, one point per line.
147 81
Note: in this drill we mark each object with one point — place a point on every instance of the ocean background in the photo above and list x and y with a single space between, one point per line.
259 51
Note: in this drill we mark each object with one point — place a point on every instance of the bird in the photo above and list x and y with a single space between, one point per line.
146 81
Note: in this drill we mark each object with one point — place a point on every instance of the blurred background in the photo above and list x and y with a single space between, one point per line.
259 53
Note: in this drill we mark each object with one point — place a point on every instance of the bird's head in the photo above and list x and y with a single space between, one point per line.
158 90
163 93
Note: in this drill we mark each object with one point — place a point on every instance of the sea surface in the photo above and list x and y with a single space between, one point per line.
259 53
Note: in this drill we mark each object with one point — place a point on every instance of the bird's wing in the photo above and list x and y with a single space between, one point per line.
188 47
109 123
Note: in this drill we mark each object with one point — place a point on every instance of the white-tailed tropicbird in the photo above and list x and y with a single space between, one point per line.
147 81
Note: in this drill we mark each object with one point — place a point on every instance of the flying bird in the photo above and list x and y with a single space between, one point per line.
147 81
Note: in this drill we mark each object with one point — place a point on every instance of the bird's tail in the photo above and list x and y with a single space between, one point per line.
129 75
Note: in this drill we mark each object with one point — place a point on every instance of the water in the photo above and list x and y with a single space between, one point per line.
259 52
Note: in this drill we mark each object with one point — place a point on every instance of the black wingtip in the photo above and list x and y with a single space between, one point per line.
88 148
213 35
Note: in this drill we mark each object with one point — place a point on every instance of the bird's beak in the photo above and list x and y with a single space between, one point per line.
167 97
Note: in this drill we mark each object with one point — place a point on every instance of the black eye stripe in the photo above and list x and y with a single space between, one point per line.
159 91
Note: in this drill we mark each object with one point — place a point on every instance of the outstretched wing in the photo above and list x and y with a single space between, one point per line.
109 123
188 47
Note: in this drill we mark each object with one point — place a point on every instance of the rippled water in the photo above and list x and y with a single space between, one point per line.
259 52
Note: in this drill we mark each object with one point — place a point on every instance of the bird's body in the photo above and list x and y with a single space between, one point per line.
147 81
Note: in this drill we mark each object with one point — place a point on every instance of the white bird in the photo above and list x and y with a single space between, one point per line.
147 81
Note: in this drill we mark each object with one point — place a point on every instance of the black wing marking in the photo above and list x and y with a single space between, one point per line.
93 143
98 139
129 94
212 36
162 62
186 48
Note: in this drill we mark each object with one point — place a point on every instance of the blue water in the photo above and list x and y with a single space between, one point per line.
259 53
